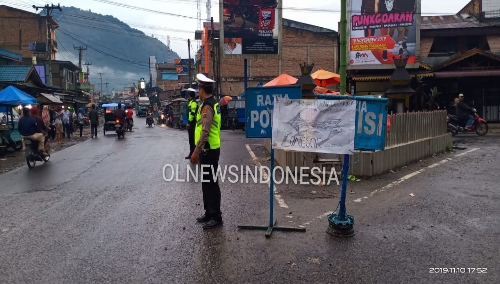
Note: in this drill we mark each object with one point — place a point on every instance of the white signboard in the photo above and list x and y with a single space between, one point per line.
321 126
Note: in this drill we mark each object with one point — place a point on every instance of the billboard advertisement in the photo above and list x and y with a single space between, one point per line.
250 28
379 30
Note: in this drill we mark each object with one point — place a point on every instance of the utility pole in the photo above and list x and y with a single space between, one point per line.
80 54
101 82
49 33
88 72
106 87
189 53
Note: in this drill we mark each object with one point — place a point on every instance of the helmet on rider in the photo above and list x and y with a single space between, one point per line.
34 110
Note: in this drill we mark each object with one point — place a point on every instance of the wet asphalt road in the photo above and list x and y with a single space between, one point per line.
100 211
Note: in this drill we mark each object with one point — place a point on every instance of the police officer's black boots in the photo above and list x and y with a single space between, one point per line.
212 224
204 218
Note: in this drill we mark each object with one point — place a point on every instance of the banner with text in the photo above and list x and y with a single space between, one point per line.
381 30
321 126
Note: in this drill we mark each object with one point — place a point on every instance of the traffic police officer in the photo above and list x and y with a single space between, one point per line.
192 108
207 140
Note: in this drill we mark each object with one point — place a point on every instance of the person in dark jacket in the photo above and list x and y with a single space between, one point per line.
94 121
40 125
464 112
28 129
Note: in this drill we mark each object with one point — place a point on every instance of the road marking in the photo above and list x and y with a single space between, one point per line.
392 184
464 153
319 217
279 199
408 176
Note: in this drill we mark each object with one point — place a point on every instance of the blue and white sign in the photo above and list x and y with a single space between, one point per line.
371 121
259 104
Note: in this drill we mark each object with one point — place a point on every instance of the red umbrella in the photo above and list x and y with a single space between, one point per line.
282 80
321 90
225 100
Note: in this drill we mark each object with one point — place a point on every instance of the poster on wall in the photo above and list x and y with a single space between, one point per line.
379 30
250 28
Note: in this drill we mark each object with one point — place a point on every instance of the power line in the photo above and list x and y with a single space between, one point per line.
107 54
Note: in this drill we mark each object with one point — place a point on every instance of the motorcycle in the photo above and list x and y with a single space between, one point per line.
162 119
130 125
119 129
149 120
32 154
455 125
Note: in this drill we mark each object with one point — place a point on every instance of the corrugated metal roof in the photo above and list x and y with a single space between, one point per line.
14 73
453 22
10 55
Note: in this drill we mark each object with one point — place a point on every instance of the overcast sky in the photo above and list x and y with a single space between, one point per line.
181 23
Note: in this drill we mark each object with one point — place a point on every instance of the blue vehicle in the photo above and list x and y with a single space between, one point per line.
236 114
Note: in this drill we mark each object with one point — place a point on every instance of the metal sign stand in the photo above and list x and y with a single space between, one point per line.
272 222
342 225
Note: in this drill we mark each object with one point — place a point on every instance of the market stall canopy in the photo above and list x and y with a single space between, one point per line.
282 80
14 96
110 105
325 78
322 90
49 99
225 100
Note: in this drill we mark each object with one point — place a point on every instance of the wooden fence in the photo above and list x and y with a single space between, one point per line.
413 126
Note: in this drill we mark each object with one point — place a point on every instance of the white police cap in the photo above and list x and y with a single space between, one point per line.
191 90
204 80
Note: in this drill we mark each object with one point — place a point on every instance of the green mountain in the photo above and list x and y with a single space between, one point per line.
115 49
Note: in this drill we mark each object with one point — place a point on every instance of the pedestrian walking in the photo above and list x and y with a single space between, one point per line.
207 151
58 118
94 121
192 107
81 120
66 122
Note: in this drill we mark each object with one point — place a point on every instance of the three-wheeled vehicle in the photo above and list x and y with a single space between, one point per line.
236 114
184 115
109 117
9 134
177 119
10 98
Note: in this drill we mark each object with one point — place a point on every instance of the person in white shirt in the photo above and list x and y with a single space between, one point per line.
232 47
66 123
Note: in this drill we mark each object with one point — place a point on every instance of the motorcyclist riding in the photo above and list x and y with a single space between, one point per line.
130 115
120 113
28 129
464 112
149 115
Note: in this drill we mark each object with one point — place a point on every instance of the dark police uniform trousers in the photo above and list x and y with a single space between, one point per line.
211 189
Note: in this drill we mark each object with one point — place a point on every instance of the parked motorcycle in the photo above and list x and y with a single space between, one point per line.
455 125
32 154
120 130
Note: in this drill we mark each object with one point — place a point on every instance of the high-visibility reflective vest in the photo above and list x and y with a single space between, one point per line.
213 141
192 107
